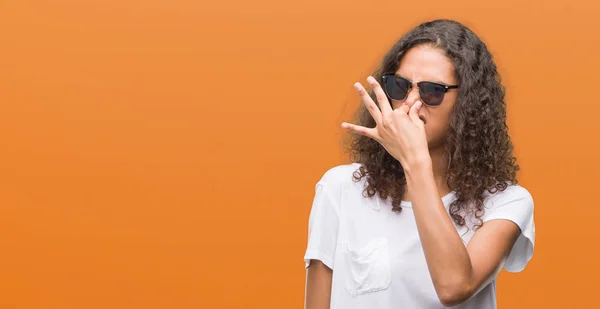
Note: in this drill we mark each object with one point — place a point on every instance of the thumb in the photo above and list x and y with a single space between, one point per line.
413 113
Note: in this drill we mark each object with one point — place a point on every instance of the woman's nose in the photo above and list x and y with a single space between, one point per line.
413 96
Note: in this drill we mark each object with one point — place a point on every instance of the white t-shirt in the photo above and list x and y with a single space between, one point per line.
376 255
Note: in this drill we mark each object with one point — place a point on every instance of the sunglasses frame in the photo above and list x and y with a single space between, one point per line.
411 85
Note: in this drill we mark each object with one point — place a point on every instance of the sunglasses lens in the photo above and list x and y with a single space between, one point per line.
431 93
396 88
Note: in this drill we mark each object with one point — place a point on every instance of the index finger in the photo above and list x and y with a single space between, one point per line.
382 100
366 99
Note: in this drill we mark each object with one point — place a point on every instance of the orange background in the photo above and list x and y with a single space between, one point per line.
163 154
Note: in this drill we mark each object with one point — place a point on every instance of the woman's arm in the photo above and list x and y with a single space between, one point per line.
457 272
318 286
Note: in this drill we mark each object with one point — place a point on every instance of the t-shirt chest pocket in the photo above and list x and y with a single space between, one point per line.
366 268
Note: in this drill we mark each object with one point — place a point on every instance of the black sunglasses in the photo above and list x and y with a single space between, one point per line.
397 89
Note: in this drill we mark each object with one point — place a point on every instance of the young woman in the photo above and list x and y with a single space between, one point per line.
430 210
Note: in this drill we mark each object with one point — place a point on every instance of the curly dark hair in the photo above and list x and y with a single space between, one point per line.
478 144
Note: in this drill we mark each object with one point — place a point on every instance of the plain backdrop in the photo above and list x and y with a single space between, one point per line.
163 154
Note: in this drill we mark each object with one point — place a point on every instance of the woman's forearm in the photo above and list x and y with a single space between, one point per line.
446 255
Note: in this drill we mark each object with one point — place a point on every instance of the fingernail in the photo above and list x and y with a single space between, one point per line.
371 79
357 86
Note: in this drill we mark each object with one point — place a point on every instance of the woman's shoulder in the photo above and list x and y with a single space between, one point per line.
511 191
340 174
513 198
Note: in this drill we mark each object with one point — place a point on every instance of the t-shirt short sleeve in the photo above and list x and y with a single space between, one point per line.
515 204
323 222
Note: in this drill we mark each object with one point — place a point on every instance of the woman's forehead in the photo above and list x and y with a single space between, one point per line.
426 63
